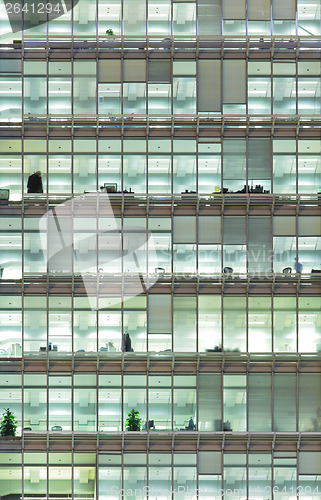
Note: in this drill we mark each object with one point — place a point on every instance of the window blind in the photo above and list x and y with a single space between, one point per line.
209 85
109 70
234 9
134 70
234 81
284 9
259 159
259 10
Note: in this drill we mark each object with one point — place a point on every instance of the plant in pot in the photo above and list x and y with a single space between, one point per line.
133 422
8 424
110 32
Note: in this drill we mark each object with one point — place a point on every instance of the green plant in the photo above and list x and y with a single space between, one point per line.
133 422
109 32
8 424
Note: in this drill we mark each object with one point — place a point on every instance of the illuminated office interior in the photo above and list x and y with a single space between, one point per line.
204 117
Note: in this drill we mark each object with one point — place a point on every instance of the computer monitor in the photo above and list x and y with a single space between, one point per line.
4 196
111 187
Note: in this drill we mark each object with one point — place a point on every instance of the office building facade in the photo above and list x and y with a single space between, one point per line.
171 263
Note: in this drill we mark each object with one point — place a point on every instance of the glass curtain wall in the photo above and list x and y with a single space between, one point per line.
206 401
259 166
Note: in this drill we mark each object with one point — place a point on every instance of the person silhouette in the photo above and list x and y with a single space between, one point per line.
35 183
298 266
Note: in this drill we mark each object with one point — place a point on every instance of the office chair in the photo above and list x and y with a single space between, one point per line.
287 270
227 270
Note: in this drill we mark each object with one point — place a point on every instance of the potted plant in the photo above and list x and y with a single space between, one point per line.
8 424
110 32
133 422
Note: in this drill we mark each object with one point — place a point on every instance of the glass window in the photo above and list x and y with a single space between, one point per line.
209 323
184 403
285 475
60 402
10 326
59 86
11 475
209 167
309 402
110 474
35 474
309 166
210 402
235 475
259 474
60 474
234 398
185 473
134 17
110 324
159 98
184 324
84 81
84 474
184 18
11 396
309 17
284 253
260 324
284 87
284 166
10 167
234 324
85 398
134 475
84 326
84 18
284 406
135 398
134 166
259 87
35 402
160 403
284 324
109 17
110 403
309 87
135 324
134 98
159 17
159 322
160 243
234 164
35 324
259 387
60 331
160 473
309 324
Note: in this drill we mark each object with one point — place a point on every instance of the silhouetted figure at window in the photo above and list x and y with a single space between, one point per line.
35 183
127 343
191 426
298 267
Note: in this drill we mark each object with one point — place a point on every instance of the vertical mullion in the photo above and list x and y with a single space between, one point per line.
247 322
272 321
272 400
247 398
